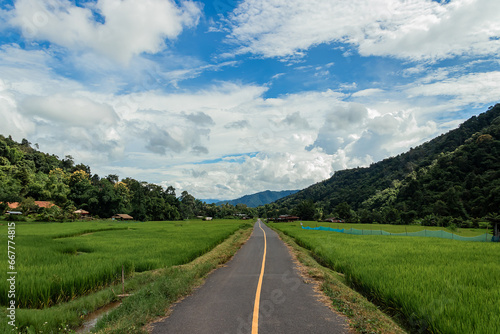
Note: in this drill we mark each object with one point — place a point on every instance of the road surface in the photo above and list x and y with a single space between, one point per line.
258 291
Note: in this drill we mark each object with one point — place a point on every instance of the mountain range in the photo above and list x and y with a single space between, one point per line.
457 174
258 199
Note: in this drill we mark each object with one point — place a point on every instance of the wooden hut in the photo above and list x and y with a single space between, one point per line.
83 214
122 216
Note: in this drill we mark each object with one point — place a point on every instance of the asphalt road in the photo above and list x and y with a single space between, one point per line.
226 303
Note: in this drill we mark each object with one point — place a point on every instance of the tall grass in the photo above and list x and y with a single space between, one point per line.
464 232
59 262
435 285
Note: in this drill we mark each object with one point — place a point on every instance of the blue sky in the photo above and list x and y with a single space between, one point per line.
226 98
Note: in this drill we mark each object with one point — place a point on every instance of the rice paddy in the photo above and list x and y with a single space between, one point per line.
432 285
58 262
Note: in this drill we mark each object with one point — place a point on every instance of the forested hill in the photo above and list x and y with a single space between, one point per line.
456 174
28 175
258 199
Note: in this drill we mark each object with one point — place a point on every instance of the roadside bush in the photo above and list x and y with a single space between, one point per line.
430 220
444 221
16 218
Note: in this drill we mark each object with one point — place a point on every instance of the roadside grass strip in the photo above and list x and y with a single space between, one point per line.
428 284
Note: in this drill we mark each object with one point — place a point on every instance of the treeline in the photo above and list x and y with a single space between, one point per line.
28 175
452 179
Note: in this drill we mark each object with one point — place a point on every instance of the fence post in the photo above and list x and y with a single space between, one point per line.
123 280
406 231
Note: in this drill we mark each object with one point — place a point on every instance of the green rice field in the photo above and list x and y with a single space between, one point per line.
58 262
464 232
431 284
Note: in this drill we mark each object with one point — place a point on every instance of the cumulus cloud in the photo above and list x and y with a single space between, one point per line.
417 29
68 110
388 135
200 118
127 27
237 124
166 134
461 90
160 141
340 126
356 136
13 123
295 120
278 171
199 150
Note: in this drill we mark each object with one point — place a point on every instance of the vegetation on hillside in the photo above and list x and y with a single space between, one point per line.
452 179
28 175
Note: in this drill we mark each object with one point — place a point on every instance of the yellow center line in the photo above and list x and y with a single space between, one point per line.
255 320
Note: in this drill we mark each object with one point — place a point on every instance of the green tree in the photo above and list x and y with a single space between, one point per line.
187 205
306 210
343 210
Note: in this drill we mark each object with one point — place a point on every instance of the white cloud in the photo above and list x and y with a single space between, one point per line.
73 111
161 135
367 92
410 29
472 88
130 27
277 171
13 123
356 136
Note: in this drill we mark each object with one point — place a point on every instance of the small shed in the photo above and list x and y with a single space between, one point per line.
122 216
82 213
494 219
334 220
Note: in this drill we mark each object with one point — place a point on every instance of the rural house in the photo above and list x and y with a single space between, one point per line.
122 216
334 220
84 214
284 219
41 204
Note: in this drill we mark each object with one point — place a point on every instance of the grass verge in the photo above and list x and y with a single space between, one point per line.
364 317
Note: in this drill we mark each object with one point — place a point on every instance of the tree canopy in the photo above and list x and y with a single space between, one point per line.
28 175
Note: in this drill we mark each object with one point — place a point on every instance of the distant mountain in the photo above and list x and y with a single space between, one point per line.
262 198
454 175
211 200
